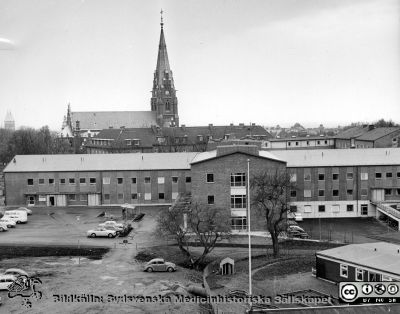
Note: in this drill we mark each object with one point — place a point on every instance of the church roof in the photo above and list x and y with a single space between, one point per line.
98 120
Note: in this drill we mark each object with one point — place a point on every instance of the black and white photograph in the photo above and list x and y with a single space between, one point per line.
213 156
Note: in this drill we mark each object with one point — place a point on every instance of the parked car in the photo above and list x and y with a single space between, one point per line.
298 234
101 232
9 223
3 226
18 216
6 281
295 228
117 230
27 210
111 223
158 264
16 272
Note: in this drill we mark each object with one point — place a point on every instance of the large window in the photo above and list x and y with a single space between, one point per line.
120 180
349 175
133 180
41 181
71 181
239 223
321 208
307 193
106 180
238 179
238 201
92 181
335 176
307 176
335 192
210 200
350 207
160 180
174 179
210 178
321 176
147 179
321 192
82 181
51 181
364 176
30 181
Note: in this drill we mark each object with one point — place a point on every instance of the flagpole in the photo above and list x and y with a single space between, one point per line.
248 224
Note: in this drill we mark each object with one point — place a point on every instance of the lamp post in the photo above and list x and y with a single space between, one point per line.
248 224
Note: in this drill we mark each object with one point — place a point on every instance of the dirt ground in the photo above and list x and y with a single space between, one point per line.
117 274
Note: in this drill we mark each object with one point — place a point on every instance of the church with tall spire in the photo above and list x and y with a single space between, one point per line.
163 105
164 101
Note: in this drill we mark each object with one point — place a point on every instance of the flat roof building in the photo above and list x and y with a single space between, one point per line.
360 262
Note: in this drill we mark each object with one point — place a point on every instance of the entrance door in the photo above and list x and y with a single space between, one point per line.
364 210
93 199
51 200
61 200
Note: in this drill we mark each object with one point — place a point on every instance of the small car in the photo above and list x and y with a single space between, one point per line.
111 223
9 223
6 281
158 264
295 228
14 218
101 232
3 226
298 234
27 210
16 272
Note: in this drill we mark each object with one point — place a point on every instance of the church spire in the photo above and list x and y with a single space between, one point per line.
164 100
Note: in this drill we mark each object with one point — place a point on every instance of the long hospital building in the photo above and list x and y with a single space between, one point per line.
329 183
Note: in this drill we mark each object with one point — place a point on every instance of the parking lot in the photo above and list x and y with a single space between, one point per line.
117 273
66 226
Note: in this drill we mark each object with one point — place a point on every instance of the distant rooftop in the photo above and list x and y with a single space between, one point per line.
98 162
339 157
98 120
378 133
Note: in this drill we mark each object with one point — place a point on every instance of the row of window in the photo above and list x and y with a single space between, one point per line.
349 176
349 192
363 275
237 179
106 180
308 143
335 208
120 196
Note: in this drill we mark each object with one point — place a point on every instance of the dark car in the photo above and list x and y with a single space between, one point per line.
298 234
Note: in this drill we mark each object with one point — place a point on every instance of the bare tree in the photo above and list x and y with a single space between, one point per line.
209 225
271 195
204 225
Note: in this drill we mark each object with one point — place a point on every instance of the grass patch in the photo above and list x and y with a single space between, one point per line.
292 265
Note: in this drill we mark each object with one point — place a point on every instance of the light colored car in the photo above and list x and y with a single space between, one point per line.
19 216
27 210
3 226
6 281
9 223
158 264
111 223
16 272
295 228
101 232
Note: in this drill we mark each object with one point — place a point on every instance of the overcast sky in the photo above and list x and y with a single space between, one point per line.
268 62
